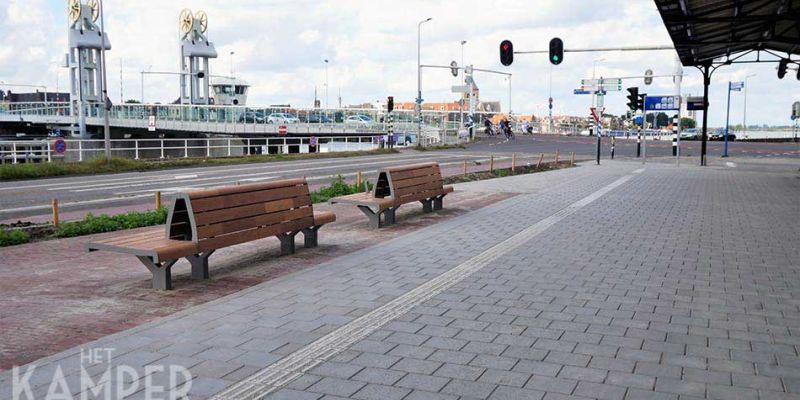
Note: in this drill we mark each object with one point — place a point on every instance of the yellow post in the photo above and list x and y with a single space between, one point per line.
358 179
556 157
491 163
541 158
55 212
465 167
513 162
158 200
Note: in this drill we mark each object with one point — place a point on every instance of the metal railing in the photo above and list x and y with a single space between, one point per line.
27 151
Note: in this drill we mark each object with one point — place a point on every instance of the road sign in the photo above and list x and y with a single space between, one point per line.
594 114
662 103
419 100
151 123
796 109
283 129
736 86
648 77
312 141
60 146
694 103
460 89
454 68
581 91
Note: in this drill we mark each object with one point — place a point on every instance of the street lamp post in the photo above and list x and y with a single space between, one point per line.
744 115
594 69
419 81
106 127
461 100
326 84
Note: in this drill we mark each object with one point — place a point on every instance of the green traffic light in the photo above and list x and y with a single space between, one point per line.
555 57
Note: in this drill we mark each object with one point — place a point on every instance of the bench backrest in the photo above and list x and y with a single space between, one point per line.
409 182
220 217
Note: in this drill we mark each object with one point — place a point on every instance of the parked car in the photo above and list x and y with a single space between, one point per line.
719 134
252 117
405 139
689 134
359 119
282 118
318 118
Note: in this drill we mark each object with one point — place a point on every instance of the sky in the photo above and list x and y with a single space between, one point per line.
279 48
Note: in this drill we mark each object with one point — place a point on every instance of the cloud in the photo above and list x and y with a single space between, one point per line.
372 47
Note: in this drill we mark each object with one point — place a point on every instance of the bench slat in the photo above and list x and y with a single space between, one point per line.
419 196
398 176
430 185
241 199
248 222
254 234
225 214
250 187
132 237
411 166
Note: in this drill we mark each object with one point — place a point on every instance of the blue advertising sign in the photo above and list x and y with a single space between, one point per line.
581 91
662 103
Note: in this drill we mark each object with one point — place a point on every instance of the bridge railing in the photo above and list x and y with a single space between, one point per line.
28 151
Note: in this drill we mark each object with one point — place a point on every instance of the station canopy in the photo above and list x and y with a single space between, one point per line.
705 30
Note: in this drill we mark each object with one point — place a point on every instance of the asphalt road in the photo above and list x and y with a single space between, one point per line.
586 146
21 199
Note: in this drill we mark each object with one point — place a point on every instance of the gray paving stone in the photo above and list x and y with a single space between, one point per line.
379 376
583 374
336 387
512 393
551 385
469 389
423 382
416 366
381 392
463 372
600 391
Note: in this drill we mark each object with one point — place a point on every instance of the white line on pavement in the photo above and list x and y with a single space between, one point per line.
730 164
294 365
639 171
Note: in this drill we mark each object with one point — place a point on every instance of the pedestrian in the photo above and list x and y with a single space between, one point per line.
526 127
487 125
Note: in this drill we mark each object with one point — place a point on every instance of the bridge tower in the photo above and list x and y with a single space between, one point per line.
195 52
86 40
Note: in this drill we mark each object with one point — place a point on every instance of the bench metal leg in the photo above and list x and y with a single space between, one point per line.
437 202
200 264
162 276
287 243
374 219
390 216
427 205
310 236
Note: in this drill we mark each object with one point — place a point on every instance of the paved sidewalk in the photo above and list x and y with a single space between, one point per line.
621 281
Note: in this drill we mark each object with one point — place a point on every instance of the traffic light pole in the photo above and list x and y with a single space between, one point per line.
597 49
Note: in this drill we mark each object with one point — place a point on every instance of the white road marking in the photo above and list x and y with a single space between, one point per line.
273 377
73 203
730 164
333 162
185 176
639 171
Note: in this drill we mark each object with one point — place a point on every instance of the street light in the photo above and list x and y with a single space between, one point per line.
326 84
744 122
419 82
106 127
231 55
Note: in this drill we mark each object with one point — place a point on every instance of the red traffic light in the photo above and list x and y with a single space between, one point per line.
506 52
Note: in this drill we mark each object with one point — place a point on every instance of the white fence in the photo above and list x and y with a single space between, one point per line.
22 151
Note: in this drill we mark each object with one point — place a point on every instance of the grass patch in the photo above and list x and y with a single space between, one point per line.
117 164
338 187
440 147
9 237
109 223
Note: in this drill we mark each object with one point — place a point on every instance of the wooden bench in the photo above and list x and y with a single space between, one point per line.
396 186
203 221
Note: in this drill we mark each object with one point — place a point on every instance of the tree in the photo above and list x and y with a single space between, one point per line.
688 123
662 120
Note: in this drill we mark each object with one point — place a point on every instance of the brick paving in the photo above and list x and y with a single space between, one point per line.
677 284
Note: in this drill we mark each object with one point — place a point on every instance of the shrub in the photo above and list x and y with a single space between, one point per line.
338 187
12 237
104 223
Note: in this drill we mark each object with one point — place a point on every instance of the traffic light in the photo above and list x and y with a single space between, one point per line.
782 68
390 104
633 98
506 52
556 51
640 103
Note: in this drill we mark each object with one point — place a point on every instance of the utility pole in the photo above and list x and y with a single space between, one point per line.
106 128
419 81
